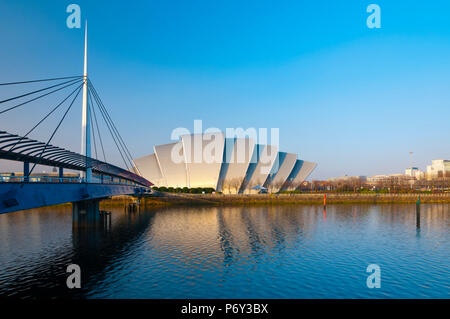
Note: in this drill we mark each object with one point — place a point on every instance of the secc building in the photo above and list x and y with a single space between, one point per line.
229 165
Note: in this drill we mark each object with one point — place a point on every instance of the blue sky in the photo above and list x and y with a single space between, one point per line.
353 99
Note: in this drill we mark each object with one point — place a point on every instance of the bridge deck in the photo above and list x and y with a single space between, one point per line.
20 196
17 148
19 193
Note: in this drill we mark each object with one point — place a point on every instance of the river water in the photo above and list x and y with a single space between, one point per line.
238 252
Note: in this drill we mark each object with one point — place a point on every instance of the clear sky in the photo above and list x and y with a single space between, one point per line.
353 99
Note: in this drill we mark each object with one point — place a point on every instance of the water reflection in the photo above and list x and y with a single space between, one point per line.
40 244
418 219
223 252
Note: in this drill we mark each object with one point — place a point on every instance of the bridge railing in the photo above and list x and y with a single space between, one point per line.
17 148
65 179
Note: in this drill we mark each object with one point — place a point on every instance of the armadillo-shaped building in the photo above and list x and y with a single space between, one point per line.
230 165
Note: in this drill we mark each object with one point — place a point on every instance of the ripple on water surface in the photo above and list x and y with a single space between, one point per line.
239 252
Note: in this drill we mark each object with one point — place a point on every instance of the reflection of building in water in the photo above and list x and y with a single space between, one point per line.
231 233
434 215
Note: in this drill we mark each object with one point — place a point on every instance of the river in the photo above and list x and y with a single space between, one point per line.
230 252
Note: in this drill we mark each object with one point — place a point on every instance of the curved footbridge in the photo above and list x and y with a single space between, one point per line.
27 191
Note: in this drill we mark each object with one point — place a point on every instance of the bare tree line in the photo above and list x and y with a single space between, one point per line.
400 183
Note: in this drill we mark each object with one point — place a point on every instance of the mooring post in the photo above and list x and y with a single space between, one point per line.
325 201
418 213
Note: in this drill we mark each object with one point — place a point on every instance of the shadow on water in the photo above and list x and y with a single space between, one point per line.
97 250
93 248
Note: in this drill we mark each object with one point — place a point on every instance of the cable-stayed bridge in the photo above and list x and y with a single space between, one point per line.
97 178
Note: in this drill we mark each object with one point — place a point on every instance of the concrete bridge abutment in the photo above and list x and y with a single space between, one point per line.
86 213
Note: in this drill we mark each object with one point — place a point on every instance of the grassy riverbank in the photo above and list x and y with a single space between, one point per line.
292 199
169 199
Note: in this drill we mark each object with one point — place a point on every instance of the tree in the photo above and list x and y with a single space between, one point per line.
277 185
235 183
227 185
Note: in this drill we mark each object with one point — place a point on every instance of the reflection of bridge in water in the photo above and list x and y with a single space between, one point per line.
98 180
95 249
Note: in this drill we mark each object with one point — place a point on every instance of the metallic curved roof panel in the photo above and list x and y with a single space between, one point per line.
148 166
286 164
236 161
263 159
203 157
170 158
304 172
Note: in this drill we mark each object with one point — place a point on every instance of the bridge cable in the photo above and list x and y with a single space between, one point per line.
92 125
54 132
115 137
116 132
43 119
110 130
108 118
33 81
41 96
98 130
37 91
125 148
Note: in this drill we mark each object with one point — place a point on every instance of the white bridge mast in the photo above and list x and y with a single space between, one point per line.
85 121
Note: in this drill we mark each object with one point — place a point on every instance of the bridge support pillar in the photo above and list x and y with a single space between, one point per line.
86 213
61 174
26 171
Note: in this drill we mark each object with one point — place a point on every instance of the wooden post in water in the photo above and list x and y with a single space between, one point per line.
325 201
418 213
